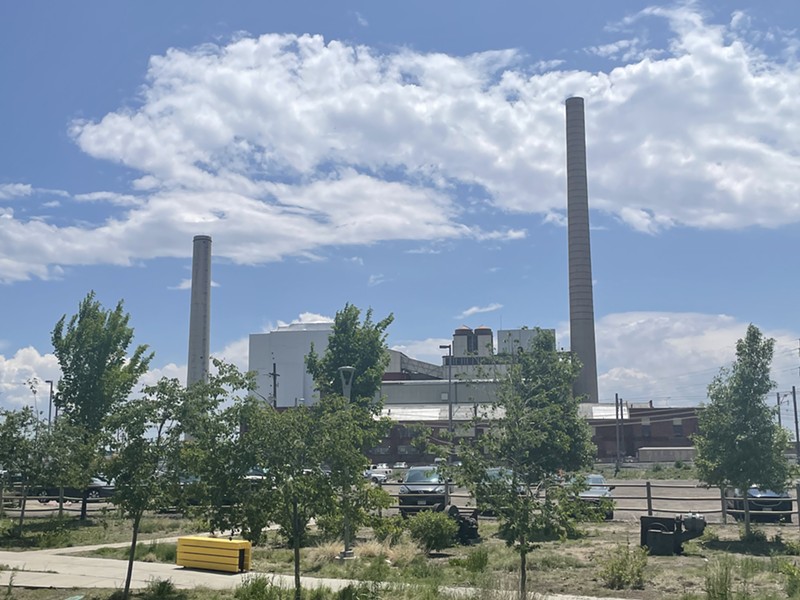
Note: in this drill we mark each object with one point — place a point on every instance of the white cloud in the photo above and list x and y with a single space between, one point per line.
474 310
376 280
361 20
16 371
306 317
110 197
14 190
672 357
280 145
425 350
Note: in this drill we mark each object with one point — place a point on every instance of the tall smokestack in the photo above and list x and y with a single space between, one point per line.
200 311
581 302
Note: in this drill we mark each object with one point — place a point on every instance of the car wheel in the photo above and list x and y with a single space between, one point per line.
93 495
43 496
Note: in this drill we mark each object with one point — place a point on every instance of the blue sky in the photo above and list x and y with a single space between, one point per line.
409 158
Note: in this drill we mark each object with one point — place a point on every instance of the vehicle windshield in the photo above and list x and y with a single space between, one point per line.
425 475
596 481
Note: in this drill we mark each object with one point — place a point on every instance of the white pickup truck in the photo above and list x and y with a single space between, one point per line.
379 473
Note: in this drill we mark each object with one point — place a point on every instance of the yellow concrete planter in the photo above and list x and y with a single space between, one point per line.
214 554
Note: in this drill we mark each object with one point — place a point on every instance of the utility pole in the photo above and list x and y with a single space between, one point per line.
778 394
274 376
796 429
616 427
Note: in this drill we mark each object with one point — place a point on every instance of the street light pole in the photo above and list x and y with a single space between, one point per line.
346 375
50 410
449 386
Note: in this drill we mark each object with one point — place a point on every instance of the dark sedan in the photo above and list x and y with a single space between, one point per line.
423 488
764 505
97 489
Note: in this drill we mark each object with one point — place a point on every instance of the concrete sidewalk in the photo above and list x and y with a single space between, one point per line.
58 568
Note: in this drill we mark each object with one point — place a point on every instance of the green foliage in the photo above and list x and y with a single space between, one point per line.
792 573
355 344
624 568
162 589
719 579
433 530
361 591
535 433
739 444
258 588
97 373
389 529
477 561
752 536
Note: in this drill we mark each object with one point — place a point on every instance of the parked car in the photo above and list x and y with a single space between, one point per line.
598 491
764 505
400 465
422 488
97 489
378 473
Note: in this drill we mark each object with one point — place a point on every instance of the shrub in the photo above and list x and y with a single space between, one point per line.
719 579
792 573
433 530
163 589
257 588
389 529
756 536
624 568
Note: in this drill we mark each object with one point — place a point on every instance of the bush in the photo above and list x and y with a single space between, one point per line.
792 573
257 588
433 530
389 529
163 589
624 568
719 579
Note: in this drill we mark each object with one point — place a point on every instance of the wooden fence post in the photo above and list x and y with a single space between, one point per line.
724 507
649 499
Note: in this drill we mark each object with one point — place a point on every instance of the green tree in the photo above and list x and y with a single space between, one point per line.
21 451
146 439
355 344
350 427
63 452
97 373
534 432
220 421
739 444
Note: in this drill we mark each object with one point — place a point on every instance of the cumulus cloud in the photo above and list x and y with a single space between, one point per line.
474 310
286 145
186 284
671 358
306 317
426 350
14 190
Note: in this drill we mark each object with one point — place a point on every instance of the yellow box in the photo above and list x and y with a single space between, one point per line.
214 554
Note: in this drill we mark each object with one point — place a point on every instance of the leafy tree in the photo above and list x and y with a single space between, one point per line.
21 451
739 444
220 421
301 491
355 344
63 452
146 438
535 433
350 427
97 373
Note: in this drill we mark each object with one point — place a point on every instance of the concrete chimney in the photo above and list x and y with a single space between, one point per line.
200 311
581 301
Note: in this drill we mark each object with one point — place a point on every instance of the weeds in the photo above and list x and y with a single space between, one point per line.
624 568
719 579
163 589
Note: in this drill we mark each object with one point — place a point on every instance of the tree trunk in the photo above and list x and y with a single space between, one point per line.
746 516
523 575
60 502
296 548
84 504
23 504
136 521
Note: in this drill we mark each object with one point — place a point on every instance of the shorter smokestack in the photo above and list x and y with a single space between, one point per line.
200 311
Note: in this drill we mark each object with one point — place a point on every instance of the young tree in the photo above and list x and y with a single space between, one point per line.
354 344
21 451
351 427
534 433
97 373
146 439
739 444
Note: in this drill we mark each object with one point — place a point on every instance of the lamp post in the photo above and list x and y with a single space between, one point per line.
449 385
50 410
346 375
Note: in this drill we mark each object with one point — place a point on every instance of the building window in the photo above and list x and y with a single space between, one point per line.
646 433
677 427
